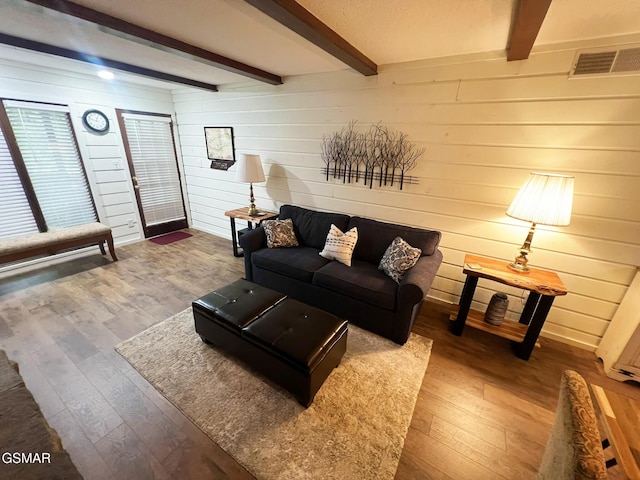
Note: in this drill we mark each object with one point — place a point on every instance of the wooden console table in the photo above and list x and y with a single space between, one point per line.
543 286
241 213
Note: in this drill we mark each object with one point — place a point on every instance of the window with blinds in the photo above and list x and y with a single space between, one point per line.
16 217
153 156
51 160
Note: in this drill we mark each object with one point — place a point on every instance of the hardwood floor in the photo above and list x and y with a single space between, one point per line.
481 412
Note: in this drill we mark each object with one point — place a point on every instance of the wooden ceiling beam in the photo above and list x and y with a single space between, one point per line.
102 62
529 17
144 36
295 17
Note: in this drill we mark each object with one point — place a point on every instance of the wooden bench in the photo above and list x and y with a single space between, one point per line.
57 240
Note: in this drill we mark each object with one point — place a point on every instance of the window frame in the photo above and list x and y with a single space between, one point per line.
20 164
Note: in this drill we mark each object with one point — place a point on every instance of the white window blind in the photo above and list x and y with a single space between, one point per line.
47 143
154 161
15 214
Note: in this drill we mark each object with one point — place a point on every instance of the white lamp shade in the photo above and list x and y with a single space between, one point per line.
545 198
250 169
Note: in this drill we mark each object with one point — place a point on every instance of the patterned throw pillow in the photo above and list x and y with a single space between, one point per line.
339 246
399 257
280 233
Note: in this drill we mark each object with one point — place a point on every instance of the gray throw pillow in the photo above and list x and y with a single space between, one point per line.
280 233
398 258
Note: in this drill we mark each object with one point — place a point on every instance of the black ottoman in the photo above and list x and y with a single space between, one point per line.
293 344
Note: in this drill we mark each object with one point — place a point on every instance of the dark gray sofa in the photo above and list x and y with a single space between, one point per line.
362 293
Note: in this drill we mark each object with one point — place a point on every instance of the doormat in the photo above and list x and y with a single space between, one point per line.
170 238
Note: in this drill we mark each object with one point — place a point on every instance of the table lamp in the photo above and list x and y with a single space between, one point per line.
546 199
250 171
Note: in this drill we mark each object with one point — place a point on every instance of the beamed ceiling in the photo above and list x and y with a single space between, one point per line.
207 43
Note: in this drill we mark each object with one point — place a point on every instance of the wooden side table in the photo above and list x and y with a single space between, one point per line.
241 213
543 286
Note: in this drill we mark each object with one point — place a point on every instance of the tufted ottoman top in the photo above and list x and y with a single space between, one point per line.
236 305
301 334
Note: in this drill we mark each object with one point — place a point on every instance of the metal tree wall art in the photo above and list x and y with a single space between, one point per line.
376 155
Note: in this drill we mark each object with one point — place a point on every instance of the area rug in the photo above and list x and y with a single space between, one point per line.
169 238
355 428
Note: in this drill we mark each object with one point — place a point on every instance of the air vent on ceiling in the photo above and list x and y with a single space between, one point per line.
603 62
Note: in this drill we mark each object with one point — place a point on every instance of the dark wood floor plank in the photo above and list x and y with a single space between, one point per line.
78 288
193 461
436 455
87 406
28 332
36 382
72 342
471 446
523 407
422 417
83 453
223 461
453 371
158 433
412 467
129 457
92 328
520 446
147 389
487 411
488 431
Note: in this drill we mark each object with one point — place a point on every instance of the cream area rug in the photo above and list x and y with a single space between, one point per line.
354 429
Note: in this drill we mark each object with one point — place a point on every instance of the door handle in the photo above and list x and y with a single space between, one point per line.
135 183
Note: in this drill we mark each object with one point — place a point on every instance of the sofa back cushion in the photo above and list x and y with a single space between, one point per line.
311 227
374 237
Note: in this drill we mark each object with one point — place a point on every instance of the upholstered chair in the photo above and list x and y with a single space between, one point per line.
574 449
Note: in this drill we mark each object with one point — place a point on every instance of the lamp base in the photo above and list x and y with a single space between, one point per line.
253 211
520 263
518 267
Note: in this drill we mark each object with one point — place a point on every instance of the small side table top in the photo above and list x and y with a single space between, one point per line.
242 214
543 282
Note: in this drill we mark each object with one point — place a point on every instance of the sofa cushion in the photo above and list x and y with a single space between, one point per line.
339 246
398 258
298 263
311 227
280 233
375 237
362 281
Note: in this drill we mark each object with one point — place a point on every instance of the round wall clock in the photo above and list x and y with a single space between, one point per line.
95 121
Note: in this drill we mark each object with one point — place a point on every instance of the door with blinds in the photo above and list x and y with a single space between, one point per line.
148 141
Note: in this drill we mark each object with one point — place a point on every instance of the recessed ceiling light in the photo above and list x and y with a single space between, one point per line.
106 74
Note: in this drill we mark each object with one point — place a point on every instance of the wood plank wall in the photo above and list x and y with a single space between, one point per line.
485 124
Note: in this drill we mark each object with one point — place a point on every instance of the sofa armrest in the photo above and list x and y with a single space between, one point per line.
417 281
412 291
250 242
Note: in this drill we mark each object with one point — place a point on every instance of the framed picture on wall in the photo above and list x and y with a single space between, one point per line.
220 148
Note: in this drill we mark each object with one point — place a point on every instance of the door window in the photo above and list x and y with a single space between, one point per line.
155 175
